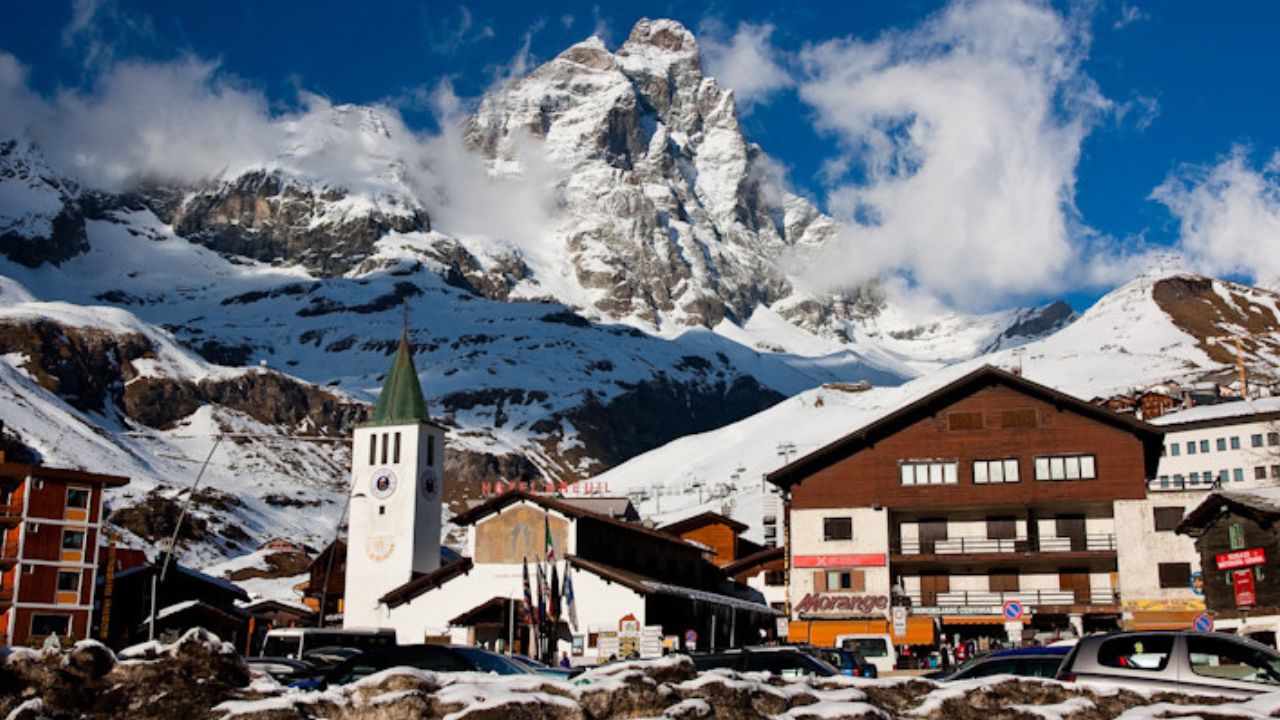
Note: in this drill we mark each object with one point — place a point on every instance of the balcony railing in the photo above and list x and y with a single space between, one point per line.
975 545
1173 484
1030 598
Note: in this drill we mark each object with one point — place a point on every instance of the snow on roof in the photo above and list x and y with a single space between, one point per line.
1220 411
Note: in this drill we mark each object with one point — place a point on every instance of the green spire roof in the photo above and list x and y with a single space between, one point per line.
401 401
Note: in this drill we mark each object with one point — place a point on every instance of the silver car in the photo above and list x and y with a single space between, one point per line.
1177 660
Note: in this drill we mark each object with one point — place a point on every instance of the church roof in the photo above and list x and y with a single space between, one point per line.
401 401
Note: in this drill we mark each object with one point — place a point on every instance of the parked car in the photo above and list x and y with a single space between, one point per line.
283 670
437 658
848 662
1024 662
329 656
295 642
876 648
786 661
1182 660
541 668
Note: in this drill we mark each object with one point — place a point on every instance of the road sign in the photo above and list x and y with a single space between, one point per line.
1203 622
899 620
1013 629
1012 611
691 638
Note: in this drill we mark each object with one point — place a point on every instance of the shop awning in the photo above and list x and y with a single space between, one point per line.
825 632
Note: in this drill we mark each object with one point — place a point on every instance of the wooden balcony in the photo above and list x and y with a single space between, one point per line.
10 515
1029 598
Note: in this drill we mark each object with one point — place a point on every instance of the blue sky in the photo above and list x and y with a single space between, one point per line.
1176 96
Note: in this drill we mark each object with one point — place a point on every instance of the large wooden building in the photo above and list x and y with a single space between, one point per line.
990 489
50 526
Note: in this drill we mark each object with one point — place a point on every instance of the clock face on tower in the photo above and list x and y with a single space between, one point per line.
427 483
382 483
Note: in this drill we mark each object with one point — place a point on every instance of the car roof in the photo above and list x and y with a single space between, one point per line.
1060 650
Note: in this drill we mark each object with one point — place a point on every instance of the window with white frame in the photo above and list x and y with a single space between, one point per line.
73 540
995 471
69 581
930 472
1066 467
78 498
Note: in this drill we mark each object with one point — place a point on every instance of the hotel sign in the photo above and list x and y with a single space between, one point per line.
832 604
1241 558
838 561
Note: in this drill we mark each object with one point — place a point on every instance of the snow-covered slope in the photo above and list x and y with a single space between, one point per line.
1147 331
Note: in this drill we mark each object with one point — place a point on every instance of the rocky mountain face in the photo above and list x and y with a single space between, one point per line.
668 214
40 216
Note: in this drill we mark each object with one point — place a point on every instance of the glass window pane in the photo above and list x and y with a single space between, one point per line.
980 471
1057 468
949 473
1011 471
997 472
1042 468
1087 467
908 475
1073 467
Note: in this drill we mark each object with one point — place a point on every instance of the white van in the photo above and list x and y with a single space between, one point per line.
293 642
877 649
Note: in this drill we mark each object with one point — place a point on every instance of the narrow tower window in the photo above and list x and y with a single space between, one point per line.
431 451
395 452
385 443
373 448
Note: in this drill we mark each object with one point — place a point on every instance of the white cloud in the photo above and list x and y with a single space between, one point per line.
746 63
1229 215
186 122
1129 14
959 144
447 34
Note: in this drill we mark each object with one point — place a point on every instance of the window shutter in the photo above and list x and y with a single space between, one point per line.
857 581
819 580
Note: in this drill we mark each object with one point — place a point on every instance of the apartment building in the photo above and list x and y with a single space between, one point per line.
1229 446
990 489
50 521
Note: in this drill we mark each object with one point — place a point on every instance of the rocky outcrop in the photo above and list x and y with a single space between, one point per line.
665 208
40 220
94 370
272 217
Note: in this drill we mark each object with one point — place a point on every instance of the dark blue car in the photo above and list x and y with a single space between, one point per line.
1040 662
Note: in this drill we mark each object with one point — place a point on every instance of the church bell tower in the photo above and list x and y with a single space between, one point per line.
394 517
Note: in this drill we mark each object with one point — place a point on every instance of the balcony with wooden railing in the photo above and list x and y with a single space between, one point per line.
986 546
1029 598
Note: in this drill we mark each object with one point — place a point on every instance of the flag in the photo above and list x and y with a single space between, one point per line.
542 595
555 594
551 548
526 613
570 605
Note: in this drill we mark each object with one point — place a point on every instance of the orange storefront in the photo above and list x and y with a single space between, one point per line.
920 631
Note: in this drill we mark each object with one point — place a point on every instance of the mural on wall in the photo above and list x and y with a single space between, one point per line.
518 533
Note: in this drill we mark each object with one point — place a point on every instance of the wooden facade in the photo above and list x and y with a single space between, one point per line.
992 488
1233 522
50 525
994 422
718 533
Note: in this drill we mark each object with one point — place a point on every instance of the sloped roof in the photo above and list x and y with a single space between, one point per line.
1260 503
985 376
13 469
401 401
702 520
429 581
646 585
761 558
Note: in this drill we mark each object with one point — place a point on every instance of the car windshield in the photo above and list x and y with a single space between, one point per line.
281 646
869 647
